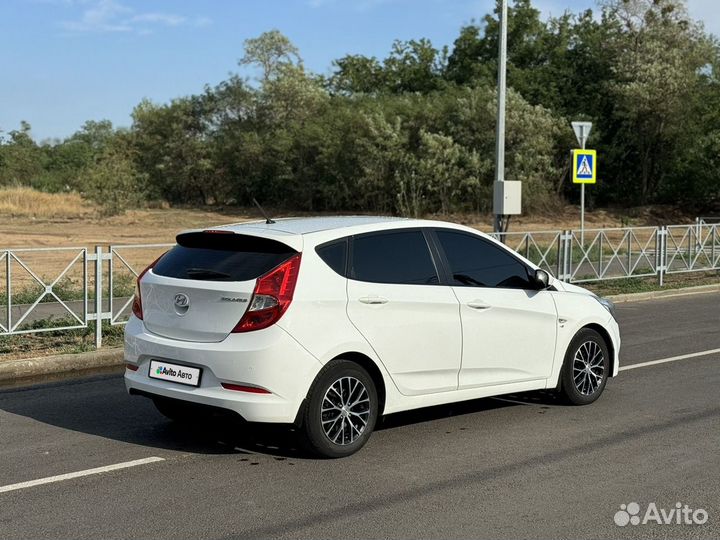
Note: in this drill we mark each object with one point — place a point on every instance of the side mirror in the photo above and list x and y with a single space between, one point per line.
541 279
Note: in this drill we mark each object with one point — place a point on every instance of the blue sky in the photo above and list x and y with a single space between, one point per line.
66 61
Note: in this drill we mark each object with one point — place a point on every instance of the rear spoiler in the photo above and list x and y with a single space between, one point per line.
293 241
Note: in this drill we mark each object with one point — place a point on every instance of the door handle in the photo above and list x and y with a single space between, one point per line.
478 304
373 300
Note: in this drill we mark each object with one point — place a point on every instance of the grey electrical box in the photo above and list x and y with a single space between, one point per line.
507 198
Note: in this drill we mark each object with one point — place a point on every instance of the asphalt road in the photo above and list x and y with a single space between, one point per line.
516 467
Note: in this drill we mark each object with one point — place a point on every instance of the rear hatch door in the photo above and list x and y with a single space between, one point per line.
201 288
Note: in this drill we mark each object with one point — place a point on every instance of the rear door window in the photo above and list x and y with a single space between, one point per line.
393 257
334 255
221 257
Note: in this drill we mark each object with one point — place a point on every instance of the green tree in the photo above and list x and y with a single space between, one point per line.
414 66
440 177
411 66
113 180
21 159
272 52
659 53
357 74
474 55
67 161
173 150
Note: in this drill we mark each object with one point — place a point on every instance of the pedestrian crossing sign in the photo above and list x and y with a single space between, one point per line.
584 166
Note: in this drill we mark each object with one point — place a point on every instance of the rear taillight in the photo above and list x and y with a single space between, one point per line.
137 299
271 297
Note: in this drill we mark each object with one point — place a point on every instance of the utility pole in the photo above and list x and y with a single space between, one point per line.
500 133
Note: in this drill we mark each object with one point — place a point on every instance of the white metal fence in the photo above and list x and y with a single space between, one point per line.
64 289
622 252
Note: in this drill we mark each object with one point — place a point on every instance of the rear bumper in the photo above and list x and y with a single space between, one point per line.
269 359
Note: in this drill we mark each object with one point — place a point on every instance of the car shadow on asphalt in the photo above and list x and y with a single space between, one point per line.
99 406
427 414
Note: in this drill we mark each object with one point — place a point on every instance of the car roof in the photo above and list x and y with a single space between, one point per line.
302 232
309 225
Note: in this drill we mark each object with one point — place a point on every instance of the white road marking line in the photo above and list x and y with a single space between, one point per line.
78 474
671 359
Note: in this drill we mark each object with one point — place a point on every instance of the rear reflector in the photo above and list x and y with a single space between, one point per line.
132 367
243 388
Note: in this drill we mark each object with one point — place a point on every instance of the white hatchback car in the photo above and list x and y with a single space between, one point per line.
328 323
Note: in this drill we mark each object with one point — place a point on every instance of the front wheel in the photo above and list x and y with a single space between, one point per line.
341 411
586 368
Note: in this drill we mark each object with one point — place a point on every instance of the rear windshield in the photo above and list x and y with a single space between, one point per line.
221 257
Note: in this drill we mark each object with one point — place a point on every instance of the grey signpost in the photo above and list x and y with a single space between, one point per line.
582 132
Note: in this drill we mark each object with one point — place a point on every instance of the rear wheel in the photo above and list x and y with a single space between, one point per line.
341 411
586 368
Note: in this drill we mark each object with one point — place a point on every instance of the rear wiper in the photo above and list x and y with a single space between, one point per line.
207 273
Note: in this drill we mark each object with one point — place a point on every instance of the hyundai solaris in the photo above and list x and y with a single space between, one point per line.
329 323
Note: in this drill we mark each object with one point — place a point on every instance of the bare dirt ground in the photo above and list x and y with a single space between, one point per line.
161 225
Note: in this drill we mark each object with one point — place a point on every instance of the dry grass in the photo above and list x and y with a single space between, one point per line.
29 203
31 219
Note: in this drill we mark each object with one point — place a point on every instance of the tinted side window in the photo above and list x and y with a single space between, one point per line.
476 262
334 255
221 257
395 257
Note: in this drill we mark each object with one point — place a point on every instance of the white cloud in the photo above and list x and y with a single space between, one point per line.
108 16
165 19
103 16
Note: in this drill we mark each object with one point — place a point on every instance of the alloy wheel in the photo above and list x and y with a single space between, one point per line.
345 410
588 368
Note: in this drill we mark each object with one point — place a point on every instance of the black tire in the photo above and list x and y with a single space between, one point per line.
333 433
582 383
180 411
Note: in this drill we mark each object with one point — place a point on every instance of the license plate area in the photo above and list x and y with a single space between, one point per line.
166 371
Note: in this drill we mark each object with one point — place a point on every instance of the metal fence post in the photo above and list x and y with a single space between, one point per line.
8 290
98 295
568 255
661 253
564 254
559 271
629 250
691 256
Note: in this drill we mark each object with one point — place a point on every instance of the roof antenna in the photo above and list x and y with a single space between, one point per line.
268 221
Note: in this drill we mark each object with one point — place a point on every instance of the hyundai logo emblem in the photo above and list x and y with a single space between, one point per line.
181 300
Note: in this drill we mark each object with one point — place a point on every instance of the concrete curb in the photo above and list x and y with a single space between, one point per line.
26 368
664 293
